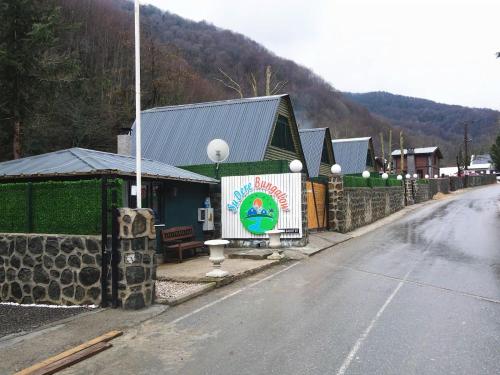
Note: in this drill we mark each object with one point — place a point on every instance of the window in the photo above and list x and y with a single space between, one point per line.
282 136
324 154
369 161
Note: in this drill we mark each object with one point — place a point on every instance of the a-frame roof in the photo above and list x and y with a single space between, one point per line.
179 135
313 141
351 153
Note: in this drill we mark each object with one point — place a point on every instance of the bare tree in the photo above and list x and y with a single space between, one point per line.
230 83
272 85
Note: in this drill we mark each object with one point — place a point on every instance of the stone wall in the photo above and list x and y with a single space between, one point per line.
67 270
137 261
456 183
421 193
439 185
409 186
471 181
50 269
336 212
362 206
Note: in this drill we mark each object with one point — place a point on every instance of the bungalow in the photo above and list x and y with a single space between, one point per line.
318 151
61 191
354 155
481 163
256 129
422 161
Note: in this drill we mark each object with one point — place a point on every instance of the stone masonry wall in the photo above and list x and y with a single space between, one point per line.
336 212
137 262
362 206
422 192
50 269
439 185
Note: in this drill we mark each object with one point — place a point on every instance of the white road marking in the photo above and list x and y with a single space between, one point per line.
364 335
231 294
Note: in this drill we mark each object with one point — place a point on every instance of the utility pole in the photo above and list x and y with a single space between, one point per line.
390 152
402 151
383 153
466 141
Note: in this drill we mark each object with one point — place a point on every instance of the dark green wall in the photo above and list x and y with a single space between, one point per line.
181 207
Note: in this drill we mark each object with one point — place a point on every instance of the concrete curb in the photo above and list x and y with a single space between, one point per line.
186 297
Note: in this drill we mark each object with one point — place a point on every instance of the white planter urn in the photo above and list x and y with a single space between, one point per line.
274 243
216 257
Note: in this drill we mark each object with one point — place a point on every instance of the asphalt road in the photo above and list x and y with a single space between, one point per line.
419 296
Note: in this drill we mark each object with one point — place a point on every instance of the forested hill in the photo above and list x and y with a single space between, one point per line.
444 123
73 83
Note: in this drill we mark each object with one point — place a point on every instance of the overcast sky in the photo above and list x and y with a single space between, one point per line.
443 50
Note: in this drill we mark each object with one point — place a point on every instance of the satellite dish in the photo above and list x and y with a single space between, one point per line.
217 150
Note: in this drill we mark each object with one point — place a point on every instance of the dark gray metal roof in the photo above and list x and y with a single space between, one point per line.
420 150
350 154
312 143
80 161
179 135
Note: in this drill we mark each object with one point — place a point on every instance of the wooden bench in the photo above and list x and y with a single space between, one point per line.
178 239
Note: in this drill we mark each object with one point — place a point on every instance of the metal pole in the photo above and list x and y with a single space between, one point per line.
114 248
104 241
138 155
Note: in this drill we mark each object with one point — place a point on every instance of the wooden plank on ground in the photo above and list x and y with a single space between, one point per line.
72 359
104 338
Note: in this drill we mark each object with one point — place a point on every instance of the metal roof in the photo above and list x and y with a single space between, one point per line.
179 135
80 161
419 150
481 159
351 153
312 143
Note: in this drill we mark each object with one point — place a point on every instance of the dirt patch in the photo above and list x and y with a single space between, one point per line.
16 318
439 196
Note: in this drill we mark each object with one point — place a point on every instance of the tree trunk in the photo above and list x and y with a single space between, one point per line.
16 142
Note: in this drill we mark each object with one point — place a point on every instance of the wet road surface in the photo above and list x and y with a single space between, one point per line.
419 296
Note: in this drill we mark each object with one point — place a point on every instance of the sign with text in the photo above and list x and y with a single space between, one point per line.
252 205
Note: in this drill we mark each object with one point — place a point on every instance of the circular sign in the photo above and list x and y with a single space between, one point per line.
259 213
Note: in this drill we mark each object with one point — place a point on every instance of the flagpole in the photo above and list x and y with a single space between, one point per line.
138 156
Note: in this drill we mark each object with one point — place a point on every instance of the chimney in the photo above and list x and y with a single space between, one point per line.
124 142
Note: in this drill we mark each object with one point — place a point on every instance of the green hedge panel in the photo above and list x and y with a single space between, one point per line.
13 208
59 207
240 169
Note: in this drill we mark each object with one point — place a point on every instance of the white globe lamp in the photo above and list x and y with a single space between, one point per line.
435 176
415 175
399 178
217 150
426 176
385 176
365 174
336 169
407 176
296 166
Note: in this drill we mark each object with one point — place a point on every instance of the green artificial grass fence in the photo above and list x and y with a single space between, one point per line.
240 169
59 207
355 181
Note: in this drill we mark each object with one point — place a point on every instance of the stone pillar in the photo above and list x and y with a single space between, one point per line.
408 182
336 214
137 266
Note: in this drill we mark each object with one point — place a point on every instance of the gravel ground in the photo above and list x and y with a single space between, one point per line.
25 318
172 289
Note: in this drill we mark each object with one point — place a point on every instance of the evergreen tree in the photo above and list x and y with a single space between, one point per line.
31 68
495 153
